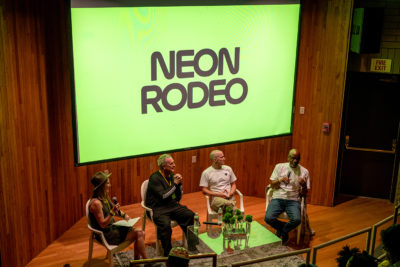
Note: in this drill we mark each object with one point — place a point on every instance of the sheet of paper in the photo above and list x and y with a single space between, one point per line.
129 223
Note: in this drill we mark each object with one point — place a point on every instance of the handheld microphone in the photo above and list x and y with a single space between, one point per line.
212 223
288 176
115 201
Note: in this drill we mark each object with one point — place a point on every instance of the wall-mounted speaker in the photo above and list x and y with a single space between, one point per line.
366 30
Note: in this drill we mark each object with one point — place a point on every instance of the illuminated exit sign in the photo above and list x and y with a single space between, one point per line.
381 65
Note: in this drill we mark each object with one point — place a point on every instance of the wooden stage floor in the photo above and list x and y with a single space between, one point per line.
328 222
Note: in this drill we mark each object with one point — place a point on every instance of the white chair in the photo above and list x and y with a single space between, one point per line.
147 209
211 214
111 249
283 215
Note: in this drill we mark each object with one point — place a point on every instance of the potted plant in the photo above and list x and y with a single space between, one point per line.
248 219
226 219
232 222
240 222
228 209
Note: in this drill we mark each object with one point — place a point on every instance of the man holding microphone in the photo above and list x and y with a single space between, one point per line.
289 181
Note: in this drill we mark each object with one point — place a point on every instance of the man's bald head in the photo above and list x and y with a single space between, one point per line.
294 157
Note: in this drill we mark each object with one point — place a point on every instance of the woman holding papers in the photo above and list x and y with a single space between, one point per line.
102 212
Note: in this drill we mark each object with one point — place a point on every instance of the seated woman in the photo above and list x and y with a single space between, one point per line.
102 212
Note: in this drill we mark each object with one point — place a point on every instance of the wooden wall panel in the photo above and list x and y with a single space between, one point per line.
43 193
25 161
325 29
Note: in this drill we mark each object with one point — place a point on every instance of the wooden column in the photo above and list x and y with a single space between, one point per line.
325 31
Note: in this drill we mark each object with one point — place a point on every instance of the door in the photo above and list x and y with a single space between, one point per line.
368 162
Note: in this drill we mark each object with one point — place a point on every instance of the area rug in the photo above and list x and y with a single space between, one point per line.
228 259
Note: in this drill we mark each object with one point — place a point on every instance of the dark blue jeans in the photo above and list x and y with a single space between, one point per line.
276 207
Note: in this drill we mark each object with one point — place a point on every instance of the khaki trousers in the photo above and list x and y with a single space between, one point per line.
218 202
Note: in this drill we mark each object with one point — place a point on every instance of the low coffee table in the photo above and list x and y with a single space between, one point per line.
211 240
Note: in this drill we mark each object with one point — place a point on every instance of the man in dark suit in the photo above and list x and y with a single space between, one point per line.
163 195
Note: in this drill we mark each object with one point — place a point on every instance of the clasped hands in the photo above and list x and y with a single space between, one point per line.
177 178
225 194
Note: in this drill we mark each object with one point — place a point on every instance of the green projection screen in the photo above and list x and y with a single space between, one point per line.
152 77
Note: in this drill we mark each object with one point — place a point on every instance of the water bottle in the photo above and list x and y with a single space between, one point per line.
196 223
220 216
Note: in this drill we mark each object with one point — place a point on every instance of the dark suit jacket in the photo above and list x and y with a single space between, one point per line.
161 194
